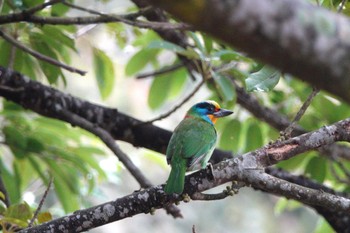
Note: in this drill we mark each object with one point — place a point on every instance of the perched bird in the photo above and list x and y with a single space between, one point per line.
192 142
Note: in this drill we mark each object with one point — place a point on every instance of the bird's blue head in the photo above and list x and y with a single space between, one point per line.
208 110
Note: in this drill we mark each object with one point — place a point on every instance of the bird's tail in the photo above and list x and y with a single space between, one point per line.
176 180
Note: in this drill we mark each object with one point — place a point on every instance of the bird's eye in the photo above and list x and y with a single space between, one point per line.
211 109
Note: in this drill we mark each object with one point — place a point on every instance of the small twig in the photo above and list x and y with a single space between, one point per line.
194 229
162 116
159 72
126 19
39 55
41 203
288 131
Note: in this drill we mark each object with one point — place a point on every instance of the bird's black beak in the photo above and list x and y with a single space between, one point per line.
222 113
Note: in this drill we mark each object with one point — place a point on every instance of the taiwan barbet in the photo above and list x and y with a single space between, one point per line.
192 142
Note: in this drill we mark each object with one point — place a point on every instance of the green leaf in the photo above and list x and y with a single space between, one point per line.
12 184
317 168
208 43
229 139
297 162
59 9
229 55
161 44
68 200
36 165
254 136
263 80
225 87
57 34
44 217
30 3
198 42
52 72
25 64
159 92
19 211
2 196
15 138
285 204
166 86
5 49
323 227
178 79
140 60
34 145
104 72
144 39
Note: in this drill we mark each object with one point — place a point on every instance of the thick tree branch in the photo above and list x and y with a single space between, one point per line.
292 35
243 168
49 102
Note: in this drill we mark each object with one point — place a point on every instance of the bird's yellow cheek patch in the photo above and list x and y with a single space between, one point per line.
212 118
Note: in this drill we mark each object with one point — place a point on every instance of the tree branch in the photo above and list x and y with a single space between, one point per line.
243 168
102 18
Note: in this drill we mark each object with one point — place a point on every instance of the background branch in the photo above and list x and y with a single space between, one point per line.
39 56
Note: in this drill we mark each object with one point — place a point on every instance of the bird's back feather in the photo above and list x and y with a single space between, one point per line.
191 144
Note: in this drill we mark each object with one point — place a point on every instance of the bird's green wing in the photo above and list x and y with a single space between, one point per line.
193 140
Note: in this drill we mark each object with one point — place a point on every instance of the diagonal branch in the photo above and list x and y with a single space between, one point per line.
101 18
243 168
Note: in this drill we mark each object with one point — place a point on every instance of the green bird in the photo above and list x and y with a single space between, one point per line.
192 142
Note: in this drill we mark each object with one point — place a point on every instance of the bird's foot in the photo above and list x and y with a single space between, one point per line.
234 188
186 198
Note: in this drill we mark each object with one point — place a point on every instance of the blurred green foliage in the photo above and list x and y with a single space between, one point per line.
35 147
